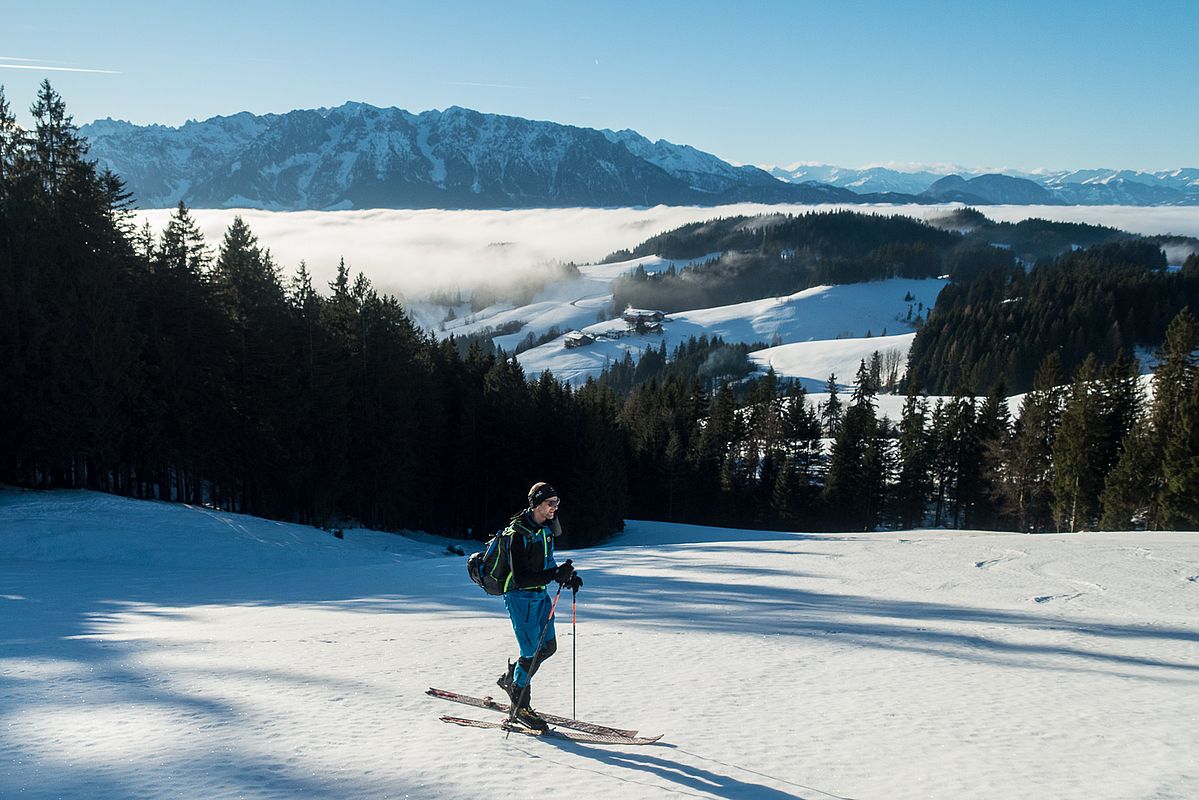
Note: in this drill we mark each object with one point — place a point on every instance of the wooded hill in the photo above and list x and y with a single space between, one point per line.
995 328
1018 290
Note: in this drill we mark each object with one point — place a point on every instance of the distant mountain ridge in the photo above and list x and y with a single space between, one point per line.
361 156
991 188
1076 187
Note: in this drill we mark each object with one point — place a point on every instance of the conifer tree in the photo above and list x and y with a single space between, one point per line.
1179 504
1136 490
1121 403
1026 481
57 148
913 483
1176 426
12 140
247 288
965 455
855 468
1078 468
1125 490
940 459
830 413
994 428
673 467
182 249
710 456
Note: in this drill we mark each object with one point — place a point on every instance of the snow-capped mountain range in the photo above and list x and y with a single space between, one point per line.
361 156
1002 186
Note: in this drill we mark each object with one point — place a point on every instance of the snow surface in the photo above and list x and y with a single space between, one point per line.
565 305
156 650
811 363
834 318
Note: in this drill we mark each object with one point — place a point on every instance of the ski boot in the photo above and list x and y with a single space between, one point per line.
505 683
525 714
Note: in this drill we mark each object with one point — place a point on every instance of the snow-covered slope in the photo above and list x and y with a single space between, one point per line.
812 362
564 305
156 651
822 314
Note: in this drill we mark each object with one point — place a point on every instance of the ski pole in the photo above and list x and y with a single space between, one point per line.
536 660
574 654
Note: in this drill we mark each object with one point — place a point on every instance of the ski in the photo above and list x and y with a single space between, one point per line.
504 708
554 733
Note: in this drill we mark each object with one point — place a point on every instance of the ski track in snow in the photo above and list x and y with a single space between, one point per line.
157 650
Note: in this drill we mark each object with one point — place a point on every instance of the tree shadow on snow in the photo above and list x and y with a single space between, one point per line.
71 650
748 607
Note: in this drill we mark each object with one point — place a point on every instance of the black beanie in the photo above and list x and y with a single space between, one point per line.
540 493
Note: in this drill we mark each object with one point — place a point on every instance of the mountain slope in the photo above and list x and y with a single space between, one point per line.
360 156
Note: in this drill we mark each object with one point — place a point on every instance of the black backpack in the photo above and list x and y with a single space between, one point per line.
490 568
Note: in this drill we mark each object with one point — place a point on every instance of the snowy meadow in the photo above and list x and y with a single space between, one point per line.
159 650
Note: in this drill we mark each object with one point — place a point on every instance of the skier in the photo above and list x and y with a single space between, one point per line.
532 566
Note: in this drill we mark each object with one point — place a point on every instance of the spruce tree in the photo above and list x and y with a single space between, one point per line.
57 148
994 428
1176 426
913 483
855 468
1179 504
1078 467
12 145
182 249
247 287
830 412
965 459
1025 484
1125 498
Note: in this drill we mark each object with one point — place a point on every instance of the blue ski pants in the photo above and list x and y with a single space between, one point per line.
530 614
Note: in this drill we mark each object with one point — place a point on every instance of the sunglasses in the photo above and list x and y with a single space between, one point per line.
553 503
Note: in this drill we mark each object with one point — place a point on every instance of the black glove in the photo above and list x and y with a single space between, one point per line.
575 583
565 573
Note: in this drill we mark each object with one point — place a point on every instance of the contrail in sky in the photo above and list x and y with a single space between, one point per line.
57 69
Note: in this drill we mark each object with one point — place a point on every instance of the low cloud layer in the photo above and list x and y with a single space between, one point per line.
414 252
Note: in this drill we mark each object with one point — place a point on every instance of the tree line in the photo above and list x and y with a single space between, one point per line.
1098 450
997 326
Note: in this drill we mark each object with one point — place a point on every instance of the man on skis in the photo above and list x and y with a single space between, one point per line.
532 567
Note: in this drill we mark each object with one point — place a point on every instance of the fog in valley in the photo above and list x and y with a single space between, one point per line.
414 253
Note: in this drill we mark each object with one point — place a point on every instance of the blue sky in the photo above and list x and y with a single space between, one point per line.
1054 84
